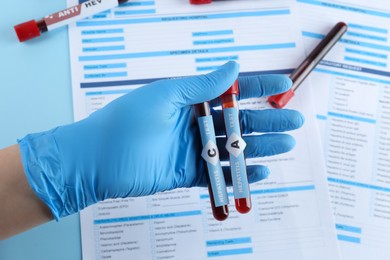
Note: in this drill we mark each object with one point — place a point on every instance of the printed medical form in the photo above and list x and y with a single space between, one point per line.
353 82
142 41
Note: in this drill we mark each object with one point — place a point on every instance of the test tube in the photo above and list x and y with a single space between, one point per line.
308 64
31 29
199 2
235 145
216 182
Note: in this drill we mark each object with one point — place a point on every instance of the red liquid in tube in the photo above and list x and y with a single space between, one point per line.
219 212
229 100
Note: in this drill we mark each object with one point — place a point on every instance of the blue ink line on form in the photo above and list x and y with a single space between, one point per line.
354 118
364 61
187 52
107 92
135 12
213 59
213 41
366 53
346 8
348 228
313 35
355 68
367 36
105 66
359 184
148 217
275 190
104 48
212 33
321 117
101 31
133 4
348 41
350 239
376 80
367 28
105 75
130 82
102 40
284 189
228 241
99 16
182 18
238 251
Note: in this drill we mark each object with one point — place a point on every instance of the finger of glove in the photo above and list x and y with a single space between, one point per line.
263 85
261 121
259 86
198 89
260 145
255 173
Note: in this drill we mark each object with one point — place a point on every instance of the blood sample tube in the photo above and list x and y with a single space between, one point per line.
31 29
304 69
235 145
216 182
199 2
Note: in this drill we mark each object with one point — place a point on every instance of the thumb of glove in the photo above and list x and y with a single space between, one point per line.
198 89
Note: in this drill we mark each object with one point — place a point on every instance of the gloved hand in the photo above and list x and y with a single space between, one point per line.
147 141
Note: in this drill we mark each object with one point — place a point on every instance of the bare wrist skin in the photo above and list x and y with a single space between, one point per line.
20 208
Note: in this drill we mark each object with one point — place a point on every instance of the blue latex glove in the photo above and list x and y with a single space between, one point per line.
147 141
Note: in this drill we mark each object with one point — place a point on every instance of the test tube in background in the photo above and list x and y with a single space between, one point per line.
235 145
199 2
216 182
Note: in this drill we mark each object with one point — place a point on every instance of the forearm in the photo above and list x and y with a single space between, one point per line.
20 208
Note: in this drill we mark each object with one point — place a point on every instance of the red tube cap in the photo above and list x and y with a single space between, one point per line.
26 31
280 100
234 89
199 2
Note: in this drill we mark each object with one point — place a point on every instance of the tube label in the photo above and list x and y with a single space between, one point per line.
210 154
235 145
78 12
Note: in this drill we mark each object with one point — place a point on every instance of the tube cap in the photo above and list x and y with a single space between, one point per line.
280 100
199 2
234 89
26 31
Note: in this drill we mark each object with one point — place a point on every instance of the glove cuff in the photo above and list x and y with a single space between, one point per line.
42 166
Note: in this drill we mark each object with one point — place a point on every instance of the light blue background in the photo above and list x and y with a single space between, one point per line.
35 95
